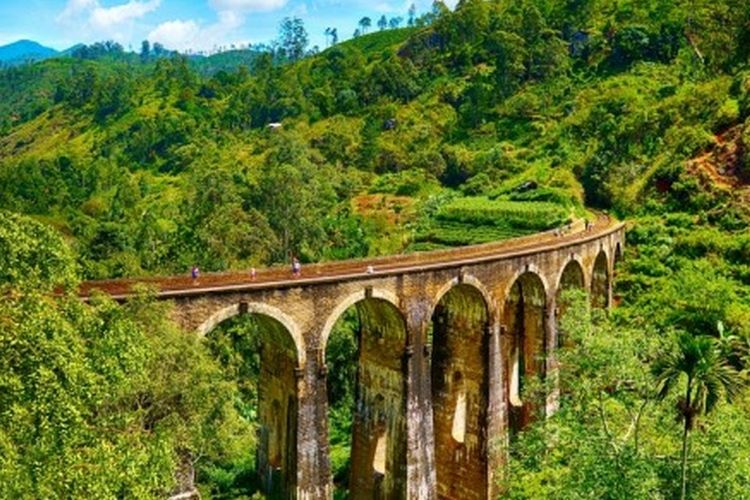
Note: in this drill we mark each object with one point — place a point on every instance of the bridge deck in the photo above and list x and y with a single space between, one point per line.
281 277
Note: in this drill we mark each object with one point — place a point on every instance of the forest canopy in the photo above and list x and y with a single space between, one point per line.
492 120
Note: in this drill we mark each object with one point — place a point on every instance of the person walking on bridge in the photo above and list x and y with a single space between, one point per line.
296 267
195 272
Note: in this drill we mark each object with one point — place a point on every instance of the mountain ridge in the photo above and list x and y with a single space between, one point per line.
24 50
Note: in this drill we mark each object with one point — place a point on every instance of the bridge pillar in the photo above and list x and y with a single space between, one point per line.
420 450
313 467
497 436
551 365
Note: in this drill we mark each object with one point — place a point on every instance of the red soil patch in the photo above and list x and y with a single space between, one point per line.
721 164
393 209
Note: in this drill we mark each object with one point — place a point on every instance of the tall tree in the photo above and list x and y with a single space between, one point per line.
382 22
412 14
158 50
364 24
706 378
327 33
293 38
145 51
395 22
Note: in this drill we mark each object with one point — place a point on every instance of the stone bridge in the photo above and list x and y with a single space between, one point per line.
446 341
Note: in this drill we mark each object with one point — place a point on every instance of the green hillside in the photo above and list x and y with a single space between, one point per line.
598 106
496 120
352 116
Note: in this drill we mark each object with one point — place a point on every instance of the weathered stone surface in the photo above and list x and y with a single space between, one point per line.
411 440
460 393
379 427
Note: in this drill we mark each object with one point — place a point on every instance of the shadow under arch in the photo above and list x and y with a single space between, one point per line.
261 353
524 314
377 455
460 392
571 278
600 281
618 254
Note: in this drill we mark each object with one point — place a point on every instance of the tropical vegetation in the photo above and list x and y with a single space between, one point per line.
489 121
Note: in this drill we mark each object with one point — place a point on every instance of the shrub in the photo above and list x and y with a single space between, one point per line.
33 255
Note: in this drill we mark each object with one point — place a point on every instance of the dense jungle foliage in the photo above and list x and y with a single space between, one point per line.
493 120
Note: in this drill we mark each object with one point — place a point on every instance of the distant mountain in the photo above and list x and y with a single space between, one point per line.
23 51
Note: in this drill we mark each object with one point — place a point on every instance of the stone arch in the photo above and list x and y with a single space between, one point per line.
345 304
276 398
378 426
572 272
525 321
262 310
460 391
527 269
571 277
600 281
465 279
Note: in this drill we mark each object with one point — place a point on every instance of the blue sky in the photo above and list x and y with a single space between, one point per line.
184 24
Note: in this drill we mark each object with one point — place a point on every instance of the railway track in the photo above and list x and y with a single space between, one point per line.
281 277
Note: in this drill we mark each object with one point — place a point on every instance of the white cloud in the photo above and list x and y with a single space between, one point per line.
75 7
177 35
88 20
248 5
103 18
190 34
184 35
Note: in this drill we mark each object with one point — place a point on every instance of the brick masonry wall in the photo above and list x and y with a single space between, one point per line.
380 404
399 369
277 412
459 394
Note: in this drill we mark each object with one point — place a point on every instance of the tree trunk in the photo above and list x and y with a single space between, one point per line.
185 476
686 430
684 461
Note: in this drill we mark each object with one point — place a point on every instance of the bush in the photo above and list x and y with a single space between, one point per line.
741 91
32 255
728 114
406 183
479 184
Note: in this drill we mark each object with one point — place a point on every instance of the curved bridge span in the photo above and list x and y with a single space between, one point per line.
446 340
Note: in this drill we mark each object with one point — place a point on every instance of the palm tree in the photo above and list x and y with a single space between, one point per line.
365 23
697 363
